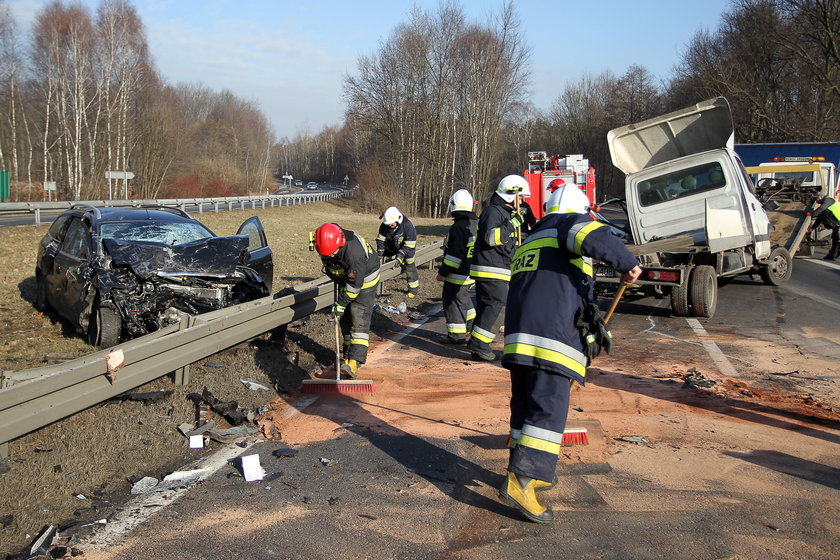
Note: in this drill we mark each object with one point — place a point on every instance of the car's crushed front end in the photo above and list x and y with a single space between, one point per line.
153 285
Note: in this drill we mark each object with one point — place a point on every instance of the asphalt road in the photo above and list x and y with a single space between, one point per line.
720 478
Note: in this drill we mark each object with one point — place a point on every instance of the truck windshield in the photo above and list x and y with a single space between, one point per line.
680 184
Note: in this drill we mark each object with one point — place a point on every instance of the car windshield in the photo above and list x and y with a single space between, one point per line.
169 233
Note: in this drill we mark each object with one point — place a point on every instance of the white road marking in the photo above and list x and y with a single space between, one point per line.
720 359
412 326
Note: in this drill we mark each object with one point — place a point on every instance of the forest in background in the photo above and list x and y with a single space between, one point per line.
441 105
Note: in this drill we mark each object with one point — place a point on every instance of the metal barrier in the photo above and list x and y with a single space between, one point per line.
242 202
31 399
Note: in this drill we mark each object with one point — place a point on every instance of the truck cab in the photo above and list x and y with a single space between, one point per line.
684 178
693 213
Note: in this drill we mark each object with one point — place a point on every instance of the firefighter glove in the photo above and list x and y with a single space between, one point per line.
517 220
337 309
400 258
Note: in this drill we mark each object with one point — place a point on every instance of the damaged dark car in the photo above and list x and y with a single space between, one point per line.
120 273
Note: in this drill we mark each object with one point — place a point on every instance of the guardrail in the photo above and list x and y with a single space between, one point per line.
230 202
31 399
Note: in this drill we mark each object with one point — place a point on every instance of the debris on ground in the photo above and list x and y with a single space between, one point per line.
696 379
230 410
231 435
284 452
177 479
253 384
328 462
251 468
144 397
633 439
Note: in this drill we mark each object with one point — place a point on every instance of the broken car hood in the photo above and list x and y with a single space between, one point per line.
214 257
699 128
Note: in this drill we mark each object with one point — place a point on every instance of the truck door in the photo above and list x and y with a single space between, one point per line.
759 222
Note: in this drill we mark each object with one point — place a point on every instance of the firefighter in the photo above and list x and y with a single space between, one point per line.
828 215
552 330
398 239
454 271
495 242
352 264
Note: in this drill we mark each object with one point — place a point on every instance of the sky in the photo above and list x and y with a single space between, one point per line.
290 57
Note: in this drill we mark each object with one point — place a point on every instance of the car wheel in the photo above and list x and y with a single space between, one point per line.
41 303
105 326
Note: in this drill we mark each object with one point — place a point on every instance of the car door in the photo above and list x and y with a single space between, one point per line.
72 271
260 257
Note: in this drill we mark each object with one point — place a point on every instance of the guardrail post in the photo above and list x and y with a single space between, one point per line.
217 206
201 208
37 216
4 450
230 205
181 376
5 380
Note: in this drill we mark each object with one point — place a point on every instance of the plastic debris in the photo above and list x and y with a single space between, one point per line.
253 384
633 439
251 468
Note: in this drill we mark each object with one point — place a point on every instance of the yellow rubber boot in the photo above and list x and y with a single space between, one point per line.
543 485
518 491
350 368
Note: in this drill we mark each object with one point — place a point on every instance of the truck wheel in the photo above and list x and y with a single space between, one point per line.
105 326
703 287
679 298
778 269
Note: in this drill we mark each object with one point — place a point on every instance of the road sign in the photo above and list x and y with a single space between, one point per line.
49 185
119 175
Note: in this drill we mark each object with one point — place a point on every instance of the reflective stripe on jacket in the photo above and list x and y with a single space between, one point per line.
354 268
495 242
551 281
455 267
401 239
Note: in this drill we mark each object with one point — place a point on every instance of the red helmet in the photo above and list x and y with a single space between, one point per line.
556 184
328 238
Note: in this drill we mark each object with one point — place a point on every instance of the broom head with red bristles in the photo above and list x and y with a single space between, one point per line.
575 436
337 386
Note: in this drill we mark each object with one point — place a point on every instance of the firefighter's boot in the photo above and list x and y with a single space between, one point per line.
543 485
518 491
350 368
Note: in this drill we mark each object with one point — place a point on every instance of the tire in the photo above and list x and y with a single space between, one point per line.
41 303
778 269
105 326
679 298
703 289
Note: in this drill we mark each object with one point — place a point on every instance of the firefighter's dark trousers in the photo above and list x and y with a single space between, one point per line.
355 325
411 275
459 310
539 405
490 296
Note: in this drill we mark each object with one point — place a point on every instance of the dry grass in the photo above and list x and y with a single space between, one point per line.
94 452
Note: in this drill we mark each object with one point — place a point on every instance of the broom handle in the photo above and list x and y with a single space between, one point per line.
615 301
337 338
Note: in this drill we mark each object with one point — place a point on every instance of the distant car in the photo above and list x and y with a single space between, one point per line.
312 186
298 183
119 273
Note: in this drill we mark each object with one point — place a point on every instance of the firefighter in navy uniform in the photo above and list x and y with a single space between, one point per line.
552 330
353 265
828 216
454 271
398 239
495 242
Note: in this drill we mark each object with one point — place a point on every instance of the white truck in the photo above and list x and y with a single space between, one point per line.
694 218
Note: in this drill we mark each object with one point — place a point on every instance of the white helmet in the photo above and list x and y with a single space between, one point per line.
461 200
526 190
392 216
567 200
511 186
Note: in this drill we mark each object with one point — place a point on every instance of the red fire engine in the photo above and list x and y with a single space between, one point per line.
542 169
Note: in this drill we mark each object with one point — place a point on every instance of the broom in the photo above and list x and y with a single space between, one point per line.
578 436
337 385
